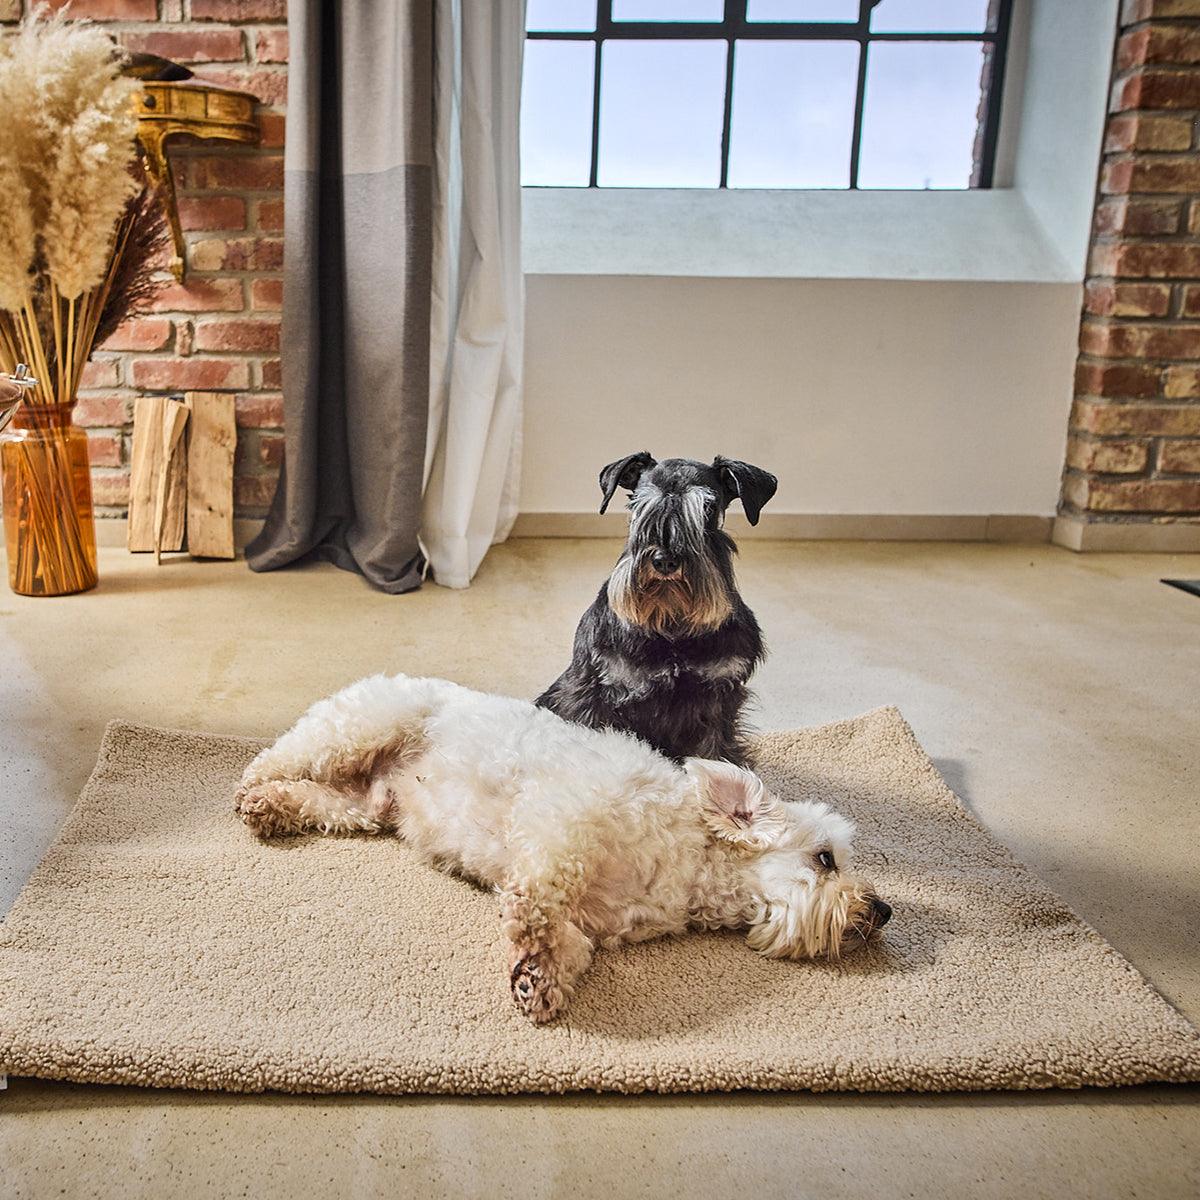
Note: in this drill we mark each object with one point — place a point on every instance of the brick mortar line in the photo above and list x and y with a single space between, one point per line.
1121 114
1192 23
1124 402
1112 238
1152 239
1155 152
1183 199
203 22
1106 320
1085 435
1160 70
214 277
1131 518
1155 364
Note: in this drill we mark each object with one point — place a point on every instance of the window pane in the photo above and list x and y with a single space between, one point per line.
662 103
920 115
930 16
557 15
556 113
793 114
802 10
668 10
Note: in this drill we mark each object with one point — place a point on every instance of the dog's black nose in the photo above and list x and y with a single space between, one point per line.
664 563
882 911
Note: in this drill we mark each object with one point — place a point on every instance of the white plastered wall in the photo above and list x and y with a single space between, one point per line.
862 396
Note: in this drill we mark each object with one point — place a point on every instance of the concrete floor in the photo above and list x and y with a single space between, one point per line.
1058 693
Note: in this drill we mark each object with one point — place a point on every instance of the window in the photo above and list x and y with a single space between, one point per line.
762 93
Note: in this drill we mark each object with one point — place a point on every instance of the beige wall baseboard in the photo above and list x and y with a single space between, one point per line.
887 527
1144 537
110 531
1178 537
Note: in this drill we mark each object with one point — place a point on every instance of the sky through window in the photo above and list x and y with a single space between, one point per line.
823 93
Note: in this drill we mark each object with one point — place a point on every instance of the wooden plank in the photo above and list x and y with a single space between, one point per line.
144 470
170 510
211 448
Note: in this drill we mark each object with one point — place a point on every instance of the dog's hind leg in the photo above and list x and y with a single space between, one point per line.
289 806
547 953
347 739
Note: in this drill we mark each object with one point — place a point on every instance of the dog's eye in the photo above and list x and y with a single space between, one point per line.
825 858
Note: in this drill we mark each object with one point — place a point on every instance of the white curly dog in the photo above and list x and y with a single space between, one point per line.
590 837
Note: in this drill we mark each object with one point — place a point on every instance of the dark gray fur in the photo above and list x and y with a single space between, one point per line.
680 690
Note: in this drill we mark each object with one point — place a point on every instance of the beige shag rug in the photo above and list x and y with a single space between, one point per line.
159 943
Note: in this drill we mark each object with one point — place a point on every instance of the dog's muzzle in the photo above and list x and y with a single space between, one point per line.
874 915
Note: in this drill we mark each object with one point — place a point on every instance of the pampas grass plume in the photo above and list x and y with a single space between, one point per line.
69 130
18 238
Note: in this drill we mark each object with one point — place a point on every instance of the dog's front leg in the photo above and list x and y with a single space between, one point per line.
546 951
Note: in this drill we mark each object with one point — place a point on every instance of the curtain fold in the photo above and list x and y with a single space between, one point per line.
402 314
478 326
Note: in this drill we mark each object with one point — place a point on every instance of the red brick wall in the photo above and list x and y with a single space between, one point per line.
220 330
1134 449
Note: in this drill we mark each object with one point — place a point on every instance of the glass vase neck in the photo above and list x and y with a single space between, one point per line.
32 415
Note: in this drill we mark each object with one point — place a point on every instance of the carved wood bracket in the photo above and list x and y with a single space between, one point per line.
167 111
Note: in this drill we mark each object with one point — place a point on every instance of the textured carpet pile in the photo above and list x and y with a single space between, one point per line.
159 943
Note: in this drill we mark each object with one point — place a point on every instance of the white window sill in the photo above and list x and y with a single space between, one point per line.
935 235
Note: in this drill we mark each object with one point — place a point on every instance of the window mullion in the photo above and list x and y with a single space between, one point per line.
995 95
860 90
603 29
735 20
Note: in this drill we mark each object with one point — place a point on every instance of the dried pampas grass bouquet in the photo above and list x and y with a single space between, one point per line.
80 236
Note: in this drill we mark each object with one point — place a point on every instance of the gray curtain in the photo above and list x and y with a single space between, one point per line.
357 286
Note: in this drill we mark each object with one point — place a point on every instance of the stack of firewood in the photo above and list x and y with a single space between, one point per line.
181 485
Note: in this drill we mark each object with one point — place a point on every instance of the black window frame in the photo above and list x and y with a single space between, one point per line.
735 27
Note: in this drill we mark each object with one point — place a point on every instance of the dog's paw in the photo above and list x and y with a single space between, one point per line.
536 994
261 811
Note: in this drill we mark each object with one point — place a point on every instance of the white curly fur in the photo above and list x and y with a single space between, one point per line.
590 837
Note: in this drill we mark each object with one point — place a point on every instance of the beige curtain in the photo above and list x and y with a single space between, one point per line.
473 443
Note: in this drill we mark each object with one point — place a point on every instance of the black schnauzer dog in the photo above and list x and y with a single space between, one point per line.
666 649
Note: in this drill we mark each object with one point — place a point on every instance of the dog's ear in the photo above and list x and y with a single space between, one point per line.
752 485
625 472
737 807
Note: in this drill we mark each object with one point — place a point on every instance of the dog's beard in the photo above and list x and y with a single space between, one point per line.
693 601
823 921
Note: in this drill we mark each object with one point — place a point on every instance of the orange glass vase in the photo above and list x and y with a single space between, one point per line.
49 527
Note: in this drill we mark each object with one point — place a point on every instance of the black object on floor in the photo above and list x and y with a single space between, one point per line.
1184 585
